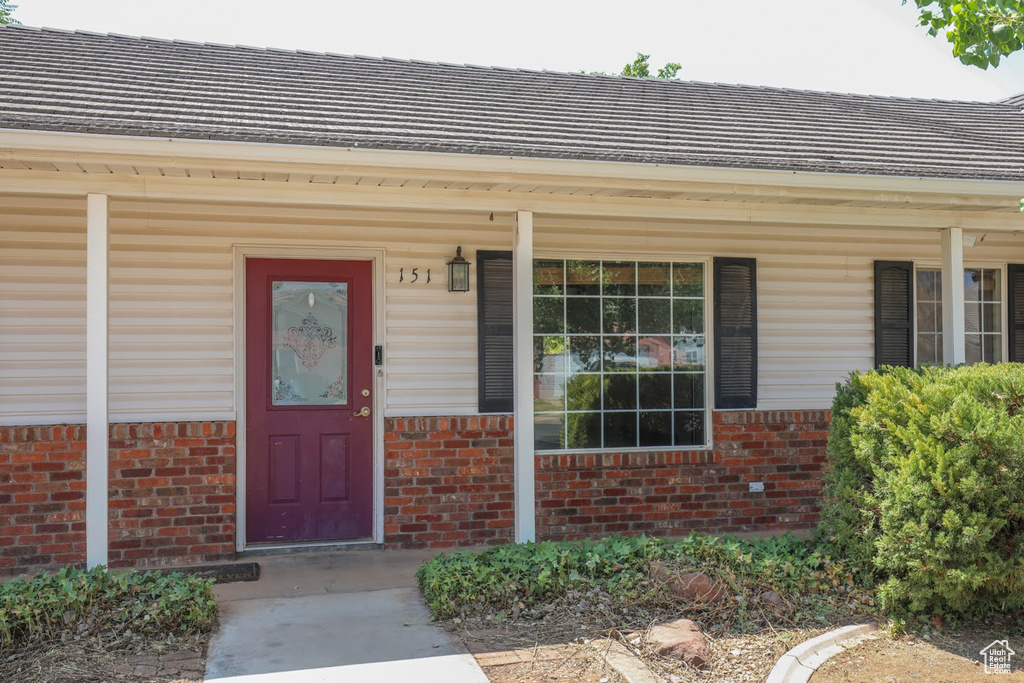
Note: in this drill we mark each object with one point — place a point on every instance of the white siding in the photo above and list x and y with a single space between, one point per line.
172 297
42 310
172 300
172 271
815 286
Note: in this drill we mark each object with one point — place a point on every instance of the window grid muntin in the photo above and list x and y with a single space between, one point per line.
988 309
935 302
695 417
998 304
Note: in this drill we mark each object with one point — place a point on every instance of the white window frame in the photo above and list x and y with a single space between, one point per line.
707 262
1004 293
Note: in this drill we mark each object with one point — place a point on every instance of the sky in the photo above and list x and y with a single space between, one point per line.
861 46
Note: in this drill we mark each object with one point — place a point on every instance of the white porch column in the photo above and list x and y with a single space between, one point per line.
97 426
953 295
522 350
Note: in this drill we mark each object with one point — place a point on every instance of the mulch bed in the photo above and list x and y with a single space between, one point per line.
552 642
131 659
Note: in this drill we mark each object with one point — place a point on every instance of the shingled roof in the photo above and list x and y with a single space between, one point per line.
55 80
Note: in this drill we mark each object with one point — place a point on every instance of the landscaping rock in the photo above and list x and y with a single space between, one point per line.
773 601
692 586
680 638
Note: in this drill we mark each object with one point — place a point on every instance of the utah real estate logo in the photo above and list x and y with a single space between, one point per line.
997 657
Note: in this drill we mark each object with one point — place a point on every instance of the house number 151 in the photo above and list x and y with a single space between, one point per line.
414 275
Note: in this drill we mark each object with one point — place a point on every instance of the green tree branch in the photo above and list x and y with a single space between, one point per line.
641 68
982 31
6 12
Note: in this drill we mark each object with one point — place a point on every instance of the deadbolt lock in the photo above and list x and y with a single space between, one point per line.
365 392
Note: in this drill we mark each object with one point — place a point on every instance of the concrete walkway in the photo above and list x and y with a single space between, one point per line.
334 617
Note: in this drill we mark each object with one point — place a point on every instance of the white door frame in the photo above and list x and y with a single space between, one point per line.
325 252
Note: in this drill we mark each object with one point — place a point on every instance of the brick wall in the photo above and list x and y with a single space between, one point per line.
675 492
172 495
42 497
447 481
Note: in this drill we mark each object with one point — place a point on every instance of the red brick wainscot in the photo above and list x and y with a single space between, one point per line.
670 493
172 495
448 481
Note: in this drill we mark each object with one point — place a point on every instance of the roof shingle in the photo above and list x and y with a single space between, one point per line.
84 82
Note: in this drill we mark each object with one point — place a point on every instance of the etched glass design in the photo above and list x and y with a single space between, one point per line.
309 343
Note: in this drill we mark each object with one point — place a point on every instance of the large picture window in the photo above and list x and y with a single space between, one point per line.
618 354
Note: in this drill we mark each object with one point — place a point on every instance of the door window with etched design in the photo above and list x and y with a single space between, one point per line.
309 343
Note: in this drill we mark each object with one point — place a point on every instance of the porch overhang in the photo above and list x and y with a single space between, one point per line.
77 165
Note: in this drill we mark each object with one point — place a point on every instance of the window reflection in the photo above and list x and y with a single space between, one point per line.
618 354
983 315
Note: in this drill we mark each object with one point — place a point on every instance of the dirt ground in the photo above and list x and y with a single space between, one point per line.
547 664
946 657
555 652
88 661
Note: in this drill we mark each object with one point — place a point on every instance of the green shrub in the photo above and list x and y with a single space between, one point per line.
925 486
532 573
505 575
82 600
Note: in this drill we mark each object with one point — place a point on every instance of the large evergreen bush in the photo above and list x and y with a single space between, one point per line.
925 486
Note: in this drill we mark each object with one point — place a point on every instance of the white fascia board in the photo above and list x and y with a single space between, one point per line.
14 181
178 151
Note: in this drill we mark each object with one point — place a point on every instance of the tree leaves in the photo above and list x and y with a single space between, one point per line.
6 12
640 68
982 31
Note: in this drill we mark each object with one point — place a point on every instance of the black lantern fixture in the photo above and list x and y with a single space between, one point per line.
458 273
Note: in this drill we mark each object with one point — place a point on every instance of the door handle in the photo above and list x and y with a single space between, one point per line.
363 412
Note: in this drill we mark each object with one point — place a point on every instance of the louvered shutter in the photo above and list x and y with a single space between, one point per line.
894 313
1015 311
735 319
494 326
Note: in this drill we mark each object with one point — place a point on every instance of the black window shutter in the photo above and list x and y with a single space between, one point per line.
494 329
894 313
1015 311
735 302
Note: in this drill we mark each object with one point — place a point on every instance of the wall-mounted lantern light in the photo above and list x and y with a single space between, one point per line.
458 273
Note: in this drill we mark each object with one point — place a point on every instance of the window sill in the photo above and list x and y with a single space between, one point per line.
637 449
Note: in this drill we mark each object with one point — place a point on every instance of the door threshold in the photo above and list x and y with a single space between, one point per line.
270 549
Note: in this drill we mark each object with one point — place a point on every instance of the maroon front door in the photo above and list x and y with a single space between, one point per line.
309 434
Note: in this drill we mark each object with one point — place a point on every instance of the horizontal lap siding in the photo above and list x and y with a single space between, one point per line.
171 303
187 248
171 315
815 305
42 310
172 269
